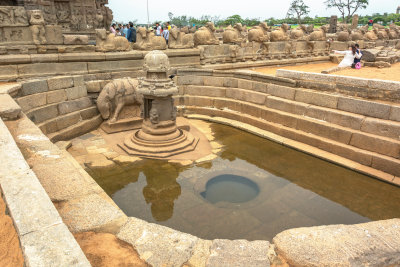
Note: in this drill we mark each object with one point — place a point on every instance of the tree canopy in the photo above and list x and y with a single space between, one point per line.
347 8
298 9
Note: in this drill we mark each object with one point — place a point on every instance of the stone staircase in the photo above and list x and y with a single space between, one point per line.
364 131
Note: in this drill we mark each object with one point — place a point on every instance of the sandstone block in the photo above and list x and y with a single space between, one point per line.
376 243
56 96
325 130
384 85
382 128
172 248
89 113
50 69
9 72
44 113
281 91
76 39
93 87
54 245
315 98
68 120
238 253
379 145
41 58
286 105
79 80
363 107
12 89
289 74
34 87
260 87
74 105
14 59
60 83
386 164
394 113
353 81
32 101
245 84
214 81
205 91
230 82
76 92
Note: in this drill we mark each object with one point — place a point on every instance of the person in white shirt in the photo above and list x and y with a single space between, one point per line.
158 29
348 60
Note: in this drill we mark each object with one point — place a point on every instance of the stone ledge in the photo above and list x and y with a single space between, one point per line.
9 110
44 238
374 244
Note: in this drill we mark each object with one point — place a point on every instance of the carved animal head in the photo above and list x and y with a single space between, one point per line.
174 32
238 26
303 28
323 28
264 26
142 31
101 34
210 26
36 17
285 27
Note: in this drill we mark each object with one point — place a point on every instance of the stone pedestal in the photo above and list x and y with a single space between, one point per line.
159 136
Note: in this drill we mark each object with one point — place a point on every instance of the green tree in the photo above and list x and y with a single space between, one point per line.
297 9
348 7
233 20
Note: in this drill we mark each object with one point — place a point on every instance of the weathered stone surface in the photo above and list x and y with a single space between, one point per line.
363 107
190 80
79 80
281 91
91 213
394 113
56 96
34 87
52 246
41 58
315 98
289 74
93 86
32 101
172 248
384 85
9 72
382 127
374 144
51 68
76 92
89 113
373 244
44 113
12 89
60 83
238 253
286 105
74 105
9 110
200 254
370 55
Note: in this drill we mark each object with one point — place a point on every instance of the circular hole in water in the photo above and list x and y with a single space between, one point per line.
230 188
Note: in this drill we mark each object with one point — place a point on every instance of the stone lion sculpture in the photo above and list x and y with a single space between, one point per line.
109 42
233 35
37 27
259 33
117 94
393 32
318 34
179 39
280 34
371 35
205 35
146 40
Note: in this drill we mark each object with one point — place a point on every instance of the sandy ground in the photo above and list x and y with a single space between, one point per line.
10 251
104 250
392 73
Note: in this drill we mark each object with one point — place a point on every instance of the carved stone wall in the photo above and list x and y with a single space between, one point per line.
72 15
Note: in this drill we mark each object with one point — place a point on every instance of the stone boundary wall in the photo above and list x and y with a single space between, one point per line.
363 131
84 206
353 86
14 67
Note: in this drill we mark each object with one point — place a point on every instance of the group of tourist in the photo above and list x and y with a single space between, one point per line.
128 31
352 57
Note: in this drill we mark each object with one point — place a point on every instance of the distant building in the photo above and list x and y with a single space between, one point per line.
398 10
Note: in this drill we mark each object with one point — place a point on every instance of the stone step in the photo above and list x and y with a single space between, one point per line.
356 138
64 121
386 164
317 105
77 129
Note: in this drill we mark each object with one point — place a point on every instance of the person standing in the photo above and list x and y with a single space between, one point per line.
358 56
131 33
125 31
166 34
112 29
158 29
169 26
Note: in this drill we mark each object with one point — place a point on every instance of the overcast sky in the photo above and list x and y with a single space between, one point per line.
126 10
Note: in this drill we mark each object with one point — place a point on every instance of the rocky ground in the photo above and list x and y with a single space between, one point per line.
10 251
103 250
392 73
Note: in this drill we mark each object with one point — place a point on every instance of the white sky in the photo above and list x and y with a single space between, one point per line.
126 10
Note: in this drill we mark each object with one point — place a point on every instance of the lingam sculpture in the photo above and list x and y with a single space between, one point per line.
159 136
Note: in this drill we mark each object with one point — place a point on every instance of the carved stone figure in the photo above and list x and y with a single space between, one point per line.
371 35
333 24
299 33
205 35
259 33
37 27
99 20
109 42
280 34
179 39
344 36
117 94
318 35
146 40
233 35
154 116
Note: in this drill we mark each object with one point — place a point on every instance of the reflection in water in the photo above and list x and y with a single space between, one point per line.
297 190
161 190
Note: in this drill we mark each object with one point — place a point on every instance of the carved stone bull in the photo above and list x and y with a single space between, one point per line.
299 33
233 35
371 35
117 94
318 34
205 35
109 42
280 34
146 40
259 34
179 39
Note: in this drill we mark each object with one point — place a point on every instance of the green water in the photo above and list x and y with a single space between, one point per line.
295 190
